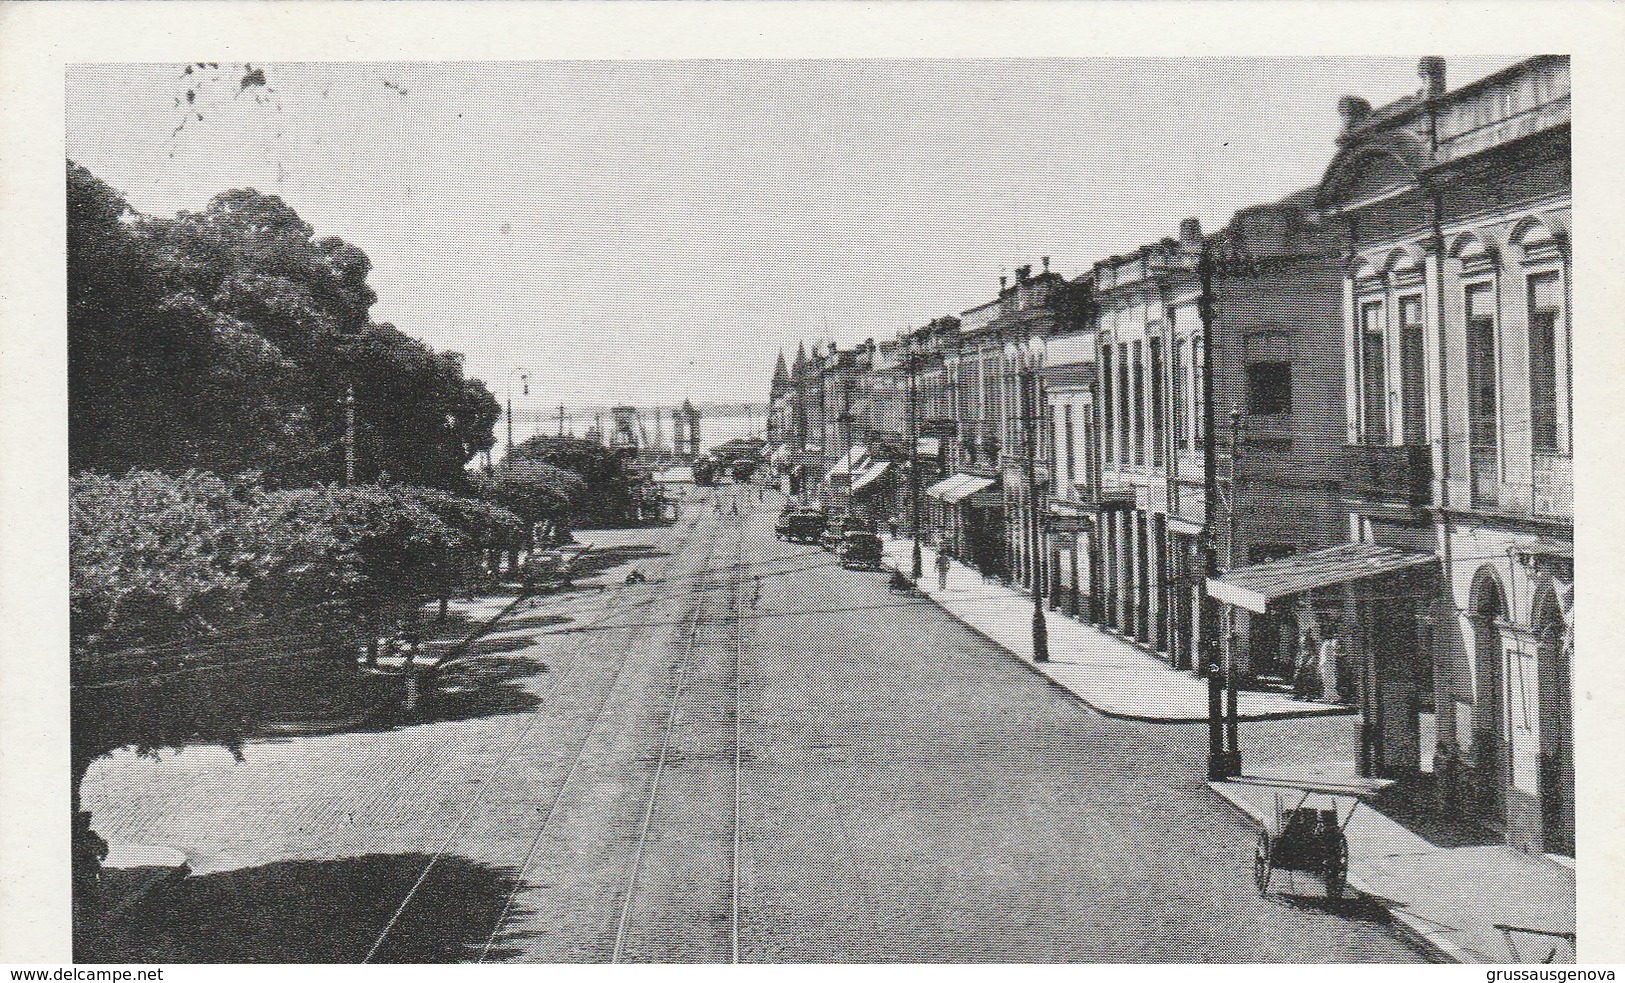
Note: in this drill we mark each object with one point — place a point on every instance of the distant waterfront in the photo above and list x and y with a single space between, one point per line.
719 422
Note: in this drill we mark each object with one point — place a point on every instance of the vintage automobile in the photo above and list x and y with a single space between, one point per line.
838 526
860 550
799 525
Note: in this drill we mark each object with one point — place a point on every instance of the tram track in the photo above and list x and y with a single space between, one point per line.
558 797
636 877
505 758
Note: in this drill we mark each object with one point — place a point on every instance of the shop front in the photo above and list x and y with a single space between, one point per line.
1359 619
973 528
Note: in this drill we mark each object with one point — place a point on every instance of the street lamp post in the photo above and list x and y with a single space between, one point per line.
1221 762
912 348
1029 419
1230 712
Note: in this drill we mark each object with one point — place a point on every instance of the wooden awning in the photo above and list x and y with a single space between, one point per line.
1256 587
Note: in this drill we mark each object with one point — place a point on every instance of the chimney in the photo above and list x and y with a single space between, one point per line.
1046 264
1354 111
1003 282
1190 233
1431 71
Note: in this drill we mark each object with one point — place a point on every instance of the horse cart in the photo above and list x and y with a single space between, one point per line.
1308 839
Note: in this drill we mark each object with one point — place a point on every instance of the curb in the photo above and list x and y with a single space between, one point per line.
1407 926
1118 714
456 651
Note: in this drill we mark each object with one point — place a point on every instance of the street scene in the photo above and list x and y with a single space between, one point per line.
635 529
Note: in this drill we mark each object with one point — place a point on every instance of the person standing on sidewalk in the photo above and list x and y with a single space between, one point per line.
1331 654
942 570
1306 681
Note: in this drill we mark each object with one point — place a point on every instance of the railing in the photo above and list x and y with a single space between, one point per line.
1403 472
1552 495
1484 472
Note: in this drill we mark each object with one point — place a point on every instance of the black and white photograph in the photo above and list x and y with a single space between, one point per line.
746 510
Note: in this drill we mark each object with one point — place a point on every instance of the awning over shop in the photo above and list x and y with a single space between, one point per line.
959 487
1256 587
846 465
868 477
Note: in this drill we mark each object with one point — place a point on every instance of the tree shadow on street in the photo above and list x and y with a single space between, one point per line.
309 911
602 558
469 689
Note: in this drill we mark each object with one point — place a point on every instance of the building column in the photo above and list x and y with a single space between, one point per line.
1158 568
1118 613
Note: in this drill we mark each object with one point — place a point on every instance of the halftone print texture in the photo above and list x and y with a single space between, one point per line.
1030 511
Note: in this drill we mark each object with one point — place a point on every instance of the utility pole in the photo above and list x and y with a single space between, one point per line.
1029 420
1232 739
349 436
1219 764
524 379
914 455
561 419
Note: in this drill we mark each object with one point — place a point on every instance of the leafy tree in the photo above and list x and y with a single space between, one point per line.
227 340
540 495
419 420
609 494
155 557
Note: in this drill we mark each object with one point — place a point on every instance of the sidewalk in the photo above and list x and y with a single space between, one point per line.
1447 900
1112 675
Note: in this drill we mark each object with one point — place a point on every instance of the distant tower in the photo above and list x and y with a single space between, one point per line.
679 442
627 427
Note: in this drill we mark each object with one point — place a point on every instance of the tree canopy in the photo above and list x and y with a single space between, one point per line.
608 493
227 339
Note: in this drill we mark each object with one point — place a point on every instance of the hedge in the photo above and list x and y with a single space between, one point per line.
158 558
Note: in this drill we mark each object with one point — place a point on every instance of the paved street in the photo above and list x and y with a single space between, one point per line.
844 774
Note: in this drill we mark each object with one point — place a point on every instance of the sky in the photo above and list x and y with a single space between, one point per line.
646 232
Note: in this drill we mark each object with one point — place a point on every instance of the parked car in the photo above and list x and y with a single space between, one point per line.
799 525
860 550
837 528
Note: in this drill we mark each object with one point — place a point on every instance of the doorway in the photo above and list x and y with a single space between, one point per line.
1490 747
1556 726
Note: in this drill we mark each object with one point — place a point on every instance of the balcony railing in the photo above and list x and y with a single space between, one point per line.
1553 493
1401 473
1484 471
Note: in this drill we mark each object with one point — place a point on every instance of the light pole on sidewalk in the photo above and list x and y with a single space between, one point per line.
1232 740
1220 763
1029 419
911 347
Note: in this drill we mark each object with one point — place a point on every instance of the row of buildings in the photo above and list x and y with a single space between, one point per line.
1360 396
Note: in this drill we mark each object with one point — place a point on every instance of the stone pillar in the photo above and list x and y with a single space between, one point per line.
1157 569
1121 581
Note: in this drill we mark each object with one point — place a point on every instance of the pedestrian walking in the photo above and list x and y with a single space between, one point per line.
942 570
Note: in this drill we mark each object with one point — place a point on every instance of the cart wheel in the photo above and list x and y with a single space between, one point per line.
1261 863
1337 867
